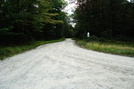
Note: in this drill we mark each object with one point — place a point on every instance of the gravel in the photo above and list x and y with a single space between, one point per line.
64 65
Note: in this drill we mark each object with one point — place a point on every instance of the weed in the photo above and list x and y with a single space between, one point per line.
109 46
8 51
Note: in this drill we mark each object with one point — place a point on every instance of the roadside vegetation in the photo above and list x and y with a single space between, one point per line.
109 23
125 48
26 24
8 51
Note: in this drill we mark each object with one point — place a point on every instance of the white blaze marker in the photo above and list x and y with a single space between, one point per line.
88 34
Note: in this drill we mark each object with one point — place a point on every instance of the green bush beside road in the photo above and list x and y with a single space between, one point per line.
108 46
8 51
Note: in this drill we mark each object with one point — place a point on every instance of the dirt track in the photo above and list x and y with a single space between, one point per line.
64 65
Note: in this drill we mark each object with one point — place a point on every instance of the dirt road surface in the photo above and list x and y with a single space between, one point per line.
64 65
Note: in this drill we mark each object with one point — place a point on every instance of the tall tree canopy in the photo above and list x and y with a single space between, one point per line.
104 18
31 20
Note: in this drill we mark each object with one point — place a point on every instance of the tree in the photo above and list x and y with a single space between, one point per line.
28 20
103 18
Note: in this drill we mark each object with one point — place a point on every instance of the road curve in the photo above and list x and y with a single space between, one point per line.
63 65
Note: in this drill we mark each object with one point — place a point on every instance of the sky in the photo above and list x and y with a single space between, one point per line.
71 6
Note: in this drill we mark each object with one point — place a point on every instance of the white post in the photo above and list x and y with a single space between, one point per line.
88 34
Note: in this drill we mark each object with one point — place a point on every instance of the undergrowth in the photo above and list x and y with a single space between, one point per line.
8 51
125 48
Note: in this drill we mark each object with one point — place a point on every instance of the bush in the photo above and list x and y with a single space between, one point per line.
12 38
122 38
92 38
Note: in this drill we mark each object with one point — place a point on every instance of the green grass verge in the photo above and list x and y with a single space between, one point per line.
113 47
8 51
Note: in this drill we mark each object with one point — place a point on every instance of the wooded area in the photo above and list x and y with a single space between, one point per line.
29 20
105 18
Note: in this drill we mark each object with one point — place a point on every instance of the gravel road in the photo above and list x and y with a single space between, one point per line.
64 65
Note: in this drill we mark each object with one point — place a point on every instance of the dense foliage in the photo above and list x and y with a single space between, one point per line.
29 20
105 18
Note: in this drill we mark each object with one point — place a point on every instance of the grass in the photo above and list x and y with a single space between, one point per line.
8 51
110 46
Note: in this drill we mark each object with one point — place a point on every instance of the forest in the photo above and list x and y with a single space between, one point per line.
30 20
111 19
26 24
